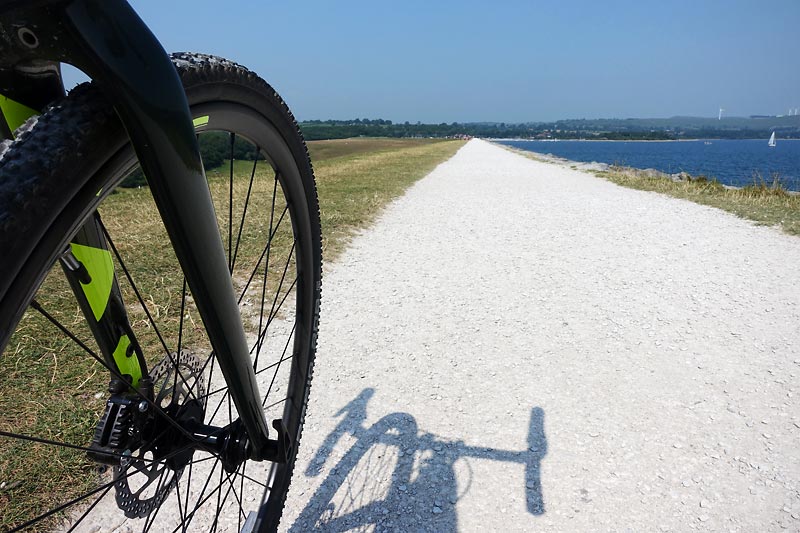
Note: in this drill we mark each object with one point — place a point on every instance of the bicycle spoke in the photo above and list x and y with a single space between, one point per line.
147 483
244 211
243 466
175 369
208 395
214 393
283 354
151 516
219 496
113 371
209 359
263 253
272 382
277 366
37 306
63 506
219 406
89 510
29 438
283 277
70 503
144 306
231 488
183 311
262 332
274 314
132 283
250 479
182 509
273 365
186 501
197 505
178 496
266 270
105 488
230 410
220 504
270 406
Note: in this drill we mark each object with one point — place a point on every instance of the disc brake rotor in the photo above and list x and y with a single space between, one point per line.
145 478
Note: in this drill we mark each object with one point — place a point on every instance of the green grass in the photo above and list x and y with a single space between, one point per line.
766 204
323 150
48 386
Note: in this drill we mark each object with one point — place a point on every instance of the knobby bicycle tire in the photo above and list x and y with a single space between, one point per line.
62 168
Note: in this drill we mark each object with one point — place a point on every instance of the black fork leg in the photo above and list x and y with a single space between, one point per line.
112 45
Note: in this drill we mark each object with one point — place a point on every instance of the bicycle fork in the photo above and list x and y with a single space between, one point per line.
108 41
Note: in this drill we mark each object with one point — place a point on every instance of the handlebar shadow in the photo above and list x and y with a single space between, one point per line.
365 502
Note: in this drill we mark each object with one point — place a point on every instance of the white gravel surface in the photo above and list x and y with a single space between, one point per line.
518 346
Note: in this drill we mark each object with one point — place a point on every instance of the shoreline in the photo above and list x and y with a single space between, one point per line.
550 158
786 182
597 166
708 139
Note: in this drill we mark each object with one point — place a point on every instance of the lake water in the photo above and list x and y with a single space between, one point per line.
732 162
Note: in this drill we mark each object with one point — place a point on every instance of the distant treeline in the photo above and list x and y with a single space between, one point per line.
215 149
610 129
342 129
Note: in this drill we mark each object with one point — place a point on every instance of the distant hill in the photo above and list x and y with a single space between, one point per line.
678 123
629 128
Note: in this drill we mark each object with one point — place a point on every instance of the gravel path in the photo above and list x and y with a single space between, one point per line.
520 346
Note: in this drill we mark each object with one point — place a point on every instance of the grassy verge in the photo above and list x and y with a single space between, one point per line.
50 389
762 203
323 150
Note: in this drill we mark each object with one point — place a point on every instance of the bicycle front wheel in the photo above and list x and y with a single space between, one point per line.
52 388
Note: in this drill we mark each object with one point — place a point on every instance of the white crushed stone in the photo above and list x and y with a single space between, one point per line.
520 346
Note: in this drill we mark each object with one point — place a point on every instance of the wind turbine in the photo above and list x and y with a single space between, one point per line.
720 113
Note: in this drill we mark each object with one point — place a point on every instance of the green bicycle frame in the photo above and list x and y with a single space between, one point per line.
110 43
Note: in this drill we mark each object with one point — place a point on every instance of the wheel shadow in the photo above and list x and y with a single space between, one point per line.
397 477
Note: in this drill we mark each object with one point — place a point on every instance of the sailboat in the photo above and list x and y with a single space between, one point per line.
771 141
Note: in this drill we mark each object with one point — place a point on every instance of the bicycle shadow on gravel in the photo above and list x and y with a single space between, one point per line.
397 478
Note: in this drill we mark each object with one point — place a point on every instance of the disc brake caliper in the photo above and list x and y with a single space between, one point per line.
119 430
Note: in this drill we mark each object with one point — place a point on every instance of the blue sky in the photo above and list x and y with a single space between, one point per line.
506 61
